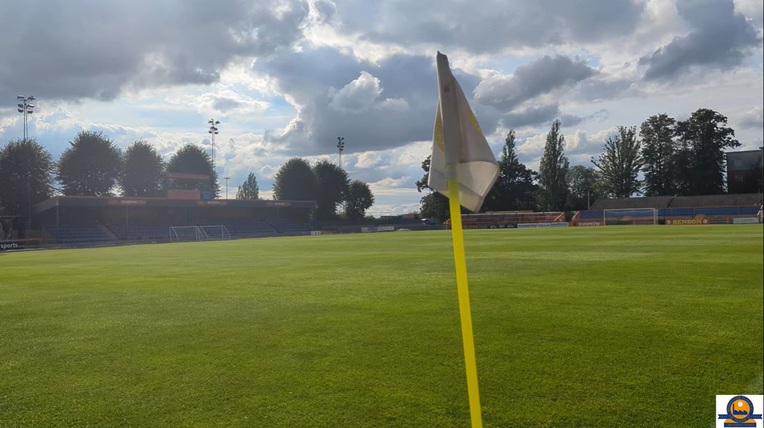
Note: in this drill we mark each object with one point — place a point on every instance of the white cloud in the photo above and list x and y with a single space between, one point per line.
753 118
287 77
368 160
358 95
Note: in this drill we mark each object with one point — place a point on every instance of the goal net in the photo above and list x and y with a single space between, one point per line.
198 233
217 231
630 216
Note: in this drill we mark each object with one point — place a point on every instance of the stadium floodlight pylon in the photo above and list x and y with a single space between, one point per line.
629 216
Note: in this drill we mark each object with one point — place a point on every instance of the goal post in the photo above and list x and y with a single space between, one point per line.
184 233
199 233
215 231
617 216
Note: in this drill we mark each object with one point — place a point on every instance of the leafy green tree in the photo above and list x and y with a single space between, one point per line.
620 163
514 188
143 171
659 155
192 159
434 204
26 176
90 167
582 185
553 171
703 139
422 183
357 200
295 181
249 191
332 182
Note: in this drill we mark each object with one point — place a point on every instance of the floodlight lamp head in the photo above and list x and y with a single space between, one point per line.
19 97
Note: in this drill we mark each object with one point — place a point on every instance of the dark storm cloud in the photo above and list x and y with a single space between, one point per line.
719 39
379 106
530 116
373 106
531 80
492 25
538 115
82 49
599 88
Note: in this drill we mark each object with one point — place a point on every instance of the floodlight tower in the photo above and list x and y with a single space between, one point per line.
340 147
26 108
213 132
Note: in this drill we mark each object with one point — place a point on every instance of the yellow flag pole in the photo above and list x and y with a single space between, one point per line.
460 264
450 129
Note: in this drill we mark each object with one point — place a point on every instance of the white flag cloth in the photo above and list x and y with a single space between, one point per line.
457 140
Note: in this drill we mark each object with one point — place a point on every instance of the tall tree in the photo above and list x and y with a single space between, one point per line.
192 159
659 155
249 191
582 182
704 138
553 171
295 181
357 200
332 184
434 204
142 170
90 167
514 188
26 176
620 163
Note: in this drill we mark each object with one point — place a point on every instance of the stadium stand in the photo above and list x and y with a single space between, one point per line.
140 231
83 221
290 228
251 230
705 209
727 200
504 219
656 202
80 234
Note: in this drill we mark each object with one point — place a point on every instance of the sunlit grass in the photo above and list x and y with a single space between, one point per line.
616 326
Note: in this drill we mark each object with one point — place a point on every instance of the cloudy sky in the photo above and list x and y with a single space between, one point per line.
285 77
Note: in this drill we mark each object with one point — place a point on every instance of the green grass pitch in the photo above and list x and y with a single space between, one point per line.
579 327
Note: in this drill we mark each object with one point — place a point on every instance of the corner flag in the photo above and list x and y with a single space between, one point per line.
458 141
463 168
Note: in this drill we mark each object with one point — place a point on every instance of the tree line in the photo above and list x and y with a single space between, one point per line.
93 165
666 157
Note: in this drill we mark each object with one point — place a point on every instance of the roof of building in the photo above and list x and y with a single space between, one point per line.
93 201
